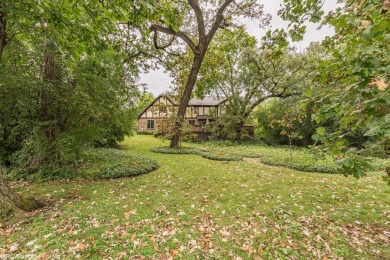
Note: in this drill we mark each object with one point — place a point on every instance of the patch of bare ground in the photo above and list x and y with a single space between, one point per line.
257 162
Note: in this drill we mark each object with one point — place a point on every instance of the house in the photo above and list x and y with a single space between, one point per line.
199 112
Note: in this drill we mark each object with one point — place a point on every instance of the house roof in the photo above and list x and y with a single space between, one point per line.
151 103
206 101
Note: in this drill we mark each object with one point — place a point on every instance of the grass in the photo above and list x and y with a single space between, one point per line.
302 159
195 208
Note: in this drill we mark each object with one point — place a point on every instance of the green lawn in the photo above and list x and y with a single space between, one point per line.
195 208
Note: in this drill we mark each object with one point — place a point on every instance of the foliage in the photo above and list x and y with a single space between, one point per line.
201 152
103 163
272 115
303 159
167 129
90 104
357 77
110 164
145 98
64 86
247 74
228 127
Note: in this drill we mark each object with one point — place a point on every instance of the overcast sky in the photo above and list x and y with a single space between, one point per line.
157 81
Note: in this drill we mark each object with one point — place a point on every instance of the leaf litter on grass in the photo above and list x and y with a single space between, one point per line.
236 210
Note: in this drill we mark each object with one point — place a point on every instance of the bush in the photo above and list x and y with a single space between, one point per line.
309 165
102 163
302 160
201 152
145 133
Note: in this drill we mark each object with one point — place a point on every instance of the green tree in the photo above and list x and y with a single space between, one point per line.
240 71
357 79
197 29
198 23
63 85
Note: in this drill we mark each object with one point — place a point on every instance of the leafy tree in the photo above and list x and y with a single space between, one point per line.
357 76
198 27
277 118
63 86
144 99
238 70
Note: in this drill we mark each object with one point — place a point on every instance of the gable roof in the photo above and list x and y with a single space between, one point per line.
206 101
151 103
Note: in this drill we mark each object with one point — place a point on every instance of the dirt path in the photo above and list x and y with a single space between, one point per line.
257 162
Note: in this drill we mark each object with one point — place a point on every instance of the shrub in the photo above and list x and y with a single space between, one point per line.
145 133
303 159
201 152
102 163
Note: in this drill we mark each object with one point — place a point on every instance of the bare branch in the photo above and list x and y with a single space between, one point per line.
279 95
155 42
146 54
218 19
169 30
199 17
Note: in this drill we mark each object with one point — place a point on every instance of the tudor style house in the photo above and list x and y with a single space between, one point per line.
199 113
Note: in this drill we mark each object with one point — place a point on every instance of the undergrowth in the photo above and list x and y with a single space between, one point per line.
201 152
302 159
102 163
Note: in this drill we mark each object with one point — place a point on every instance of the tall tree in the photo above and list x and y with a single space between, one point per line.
63 84
235 68
3 30
198 27
207 18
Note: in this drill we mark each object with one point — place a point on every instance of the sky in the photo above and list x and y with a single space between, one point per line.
158 81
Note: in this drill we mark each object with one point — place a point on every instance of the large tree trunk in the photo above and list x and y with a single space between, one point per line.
175 141
48 106
3 33
10 201
239 130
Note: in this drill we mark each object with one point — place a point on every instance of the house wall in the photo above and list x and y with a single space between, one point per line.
142 124
162 108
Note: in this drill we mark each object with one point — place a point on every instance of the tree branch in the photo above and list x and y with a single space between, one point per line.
279 95
155 35
218 19
169 30
199 17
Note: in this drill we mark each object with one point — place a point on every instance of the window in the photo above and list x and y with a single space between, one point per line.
196 110
191 122
150 124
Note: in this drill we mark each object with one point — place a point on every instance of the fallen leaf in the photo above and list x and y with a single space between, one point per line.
130 213
174 252
380 84
365 23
